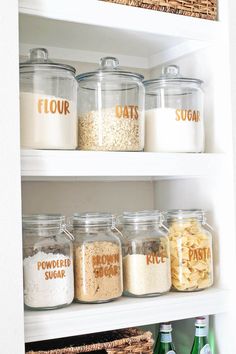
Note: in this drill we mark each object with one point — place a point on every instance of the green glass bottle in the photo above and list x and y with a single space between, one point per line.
164 344
200 344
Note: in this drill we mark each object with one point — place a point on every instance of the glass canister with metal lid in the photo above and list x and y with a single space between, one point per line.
48 103
47 262
191 249
111 109
174 114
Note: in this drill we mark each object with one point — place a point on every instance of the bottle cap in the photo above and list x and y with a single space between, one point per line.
165 327
201 321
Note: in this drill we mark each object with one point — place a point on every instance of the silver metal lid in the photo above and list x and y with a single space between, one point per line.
171 74
38 58
165 327
201 322
109 66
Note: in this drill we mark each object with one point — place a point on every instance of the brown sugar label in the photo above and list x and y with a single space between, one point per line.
106 265
187 115
54 268
131 111
199 254
53 106
155 258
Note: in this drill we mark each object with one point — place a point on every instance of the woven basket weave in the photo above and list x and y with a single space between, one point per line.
126 341
206 9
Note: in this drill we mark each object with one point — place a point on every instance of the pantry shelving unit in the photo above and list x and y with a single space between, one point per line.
80 32
40 165
123 313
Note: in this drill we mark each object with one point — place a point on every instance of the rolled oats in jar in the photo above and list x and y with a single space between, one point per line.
111 109
191 250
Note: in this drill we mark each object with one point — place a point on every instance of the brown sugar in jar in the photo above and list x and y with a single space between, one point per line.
98 260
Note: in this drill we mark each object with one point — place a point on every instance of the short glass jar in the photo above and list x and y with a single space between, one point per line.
191 250
111 108
48 103
146 254
47 262
98 258
174 113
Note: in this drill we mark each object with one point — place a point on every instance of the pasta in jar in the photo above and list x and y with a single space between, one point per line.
191 250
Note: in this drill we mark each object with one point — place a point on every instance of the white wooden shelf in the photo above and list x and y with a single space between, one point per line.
126 312
86 30
84 165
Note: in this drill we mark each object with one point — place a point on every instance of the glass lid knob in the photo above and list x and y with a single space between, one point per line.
109 63
171 71
38 55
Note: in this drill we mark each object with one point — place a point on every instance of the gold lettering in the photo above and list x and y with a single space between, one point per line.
178 112
40 103
118 111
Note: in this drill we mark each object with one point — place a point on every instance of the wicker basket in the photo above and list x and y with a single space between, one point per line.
206 9
126 341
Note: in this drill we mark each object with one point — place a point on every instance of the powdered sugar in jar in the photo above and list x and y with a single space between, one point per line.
48 262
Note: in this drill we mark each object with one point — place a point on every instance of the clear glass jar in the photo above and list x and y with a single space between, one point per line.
47 262
174 115
98 259
48 103
111 109
146 254
191 250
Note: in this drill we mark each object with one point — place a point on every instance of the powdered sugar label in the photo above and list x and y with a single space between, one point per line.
206 349
48 280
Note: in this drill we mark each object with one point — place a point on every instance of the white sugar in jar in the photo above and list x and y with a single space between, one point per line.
174 117
48 103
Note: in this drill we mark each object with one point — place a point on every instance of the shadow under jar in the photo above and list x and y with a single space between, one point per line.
98 259
47 262
146 255
111 109
191 250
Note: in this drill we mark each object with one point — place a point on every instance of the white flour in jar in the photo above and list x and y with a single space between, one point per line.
141 278
48 122
174 130
48 280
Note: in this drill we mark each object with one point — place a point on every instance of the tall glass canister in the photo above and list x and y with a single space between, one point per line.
48 103
111 108
48 262
174 114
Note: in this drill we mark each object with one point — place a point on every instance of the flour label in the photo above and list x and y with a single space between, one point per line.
206 349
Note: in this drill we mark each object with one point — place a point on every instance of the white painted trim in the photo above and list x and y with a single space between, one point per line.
46 163
11 297
126 312
99 13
